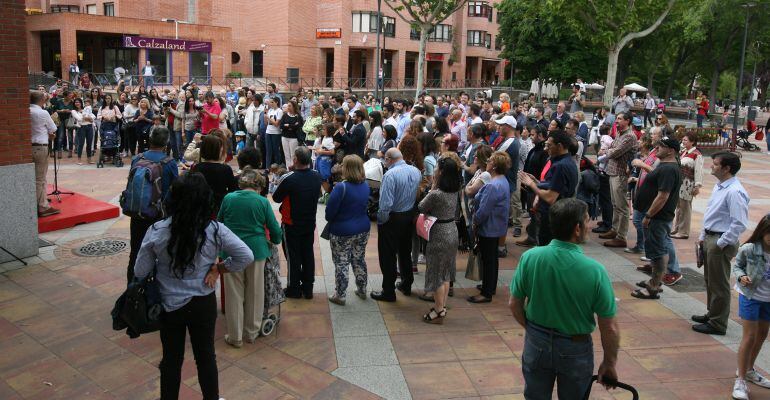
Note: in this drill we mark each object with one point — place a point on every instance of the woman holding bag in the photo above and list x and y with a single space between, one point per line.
248 215
441 250
349 226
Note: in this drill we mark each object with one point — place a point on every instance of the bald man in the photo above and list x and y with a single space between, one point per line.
394 225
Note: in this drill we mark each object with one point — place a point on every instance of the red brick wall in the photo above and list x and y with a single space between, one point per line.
15 133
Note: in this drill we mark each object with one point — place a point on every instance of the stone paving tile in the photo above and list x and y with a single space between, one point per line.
444 380
495 377
303 380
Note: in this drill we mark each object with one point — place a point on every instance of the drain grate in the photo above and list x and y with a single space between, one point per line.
101 248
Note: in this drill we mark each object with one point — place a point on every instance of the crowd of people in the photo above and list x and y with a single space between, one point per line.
467 168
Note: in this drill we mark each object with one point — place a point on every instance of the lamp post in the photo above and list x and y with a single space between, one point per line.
176 25
379 55
740 79
754 74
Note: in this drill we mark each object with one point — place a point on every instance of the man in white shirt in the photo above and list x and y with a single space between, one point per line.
148 72
388 112
474 114
458 126
649 107
43 131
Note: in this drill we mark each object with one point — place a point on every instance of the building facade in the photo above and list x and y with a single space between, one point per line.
328 43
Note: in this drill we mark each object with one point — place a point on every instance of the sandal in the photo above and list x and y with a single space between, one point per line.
651 294
644 284
433 317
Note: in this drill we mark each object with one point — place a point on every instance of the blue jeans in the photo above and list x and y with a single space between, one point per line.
637 220
188 137
149 81
699 119
549 357
175 142
653 249
272 150
85 135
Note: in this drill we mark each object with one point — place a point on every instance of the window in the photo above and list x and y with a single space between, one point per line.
91 9
440 33
235 58
366 22
257 57
478 38
480 9
61 8
488 41
292 75
109 9
498 42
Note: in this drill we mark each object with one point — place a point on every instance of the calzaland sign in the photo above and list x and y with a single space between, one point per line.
136 42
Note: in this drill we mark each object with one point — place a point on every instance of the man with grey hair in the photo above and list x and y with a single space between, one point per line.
395 225
43 131
622 103
560 114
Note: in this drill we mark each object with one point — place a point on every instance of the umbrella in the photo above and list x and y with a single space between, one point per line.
594 86
635 87
533 88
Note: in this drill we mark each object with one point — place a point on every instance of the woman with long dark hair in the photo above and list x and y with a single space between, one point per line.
84 124
376 137
109 114
156 103
142 93
183 250
752 277
391 135
441 250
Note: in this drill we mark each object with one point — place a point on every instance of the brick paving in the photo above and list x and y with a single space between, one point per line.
57 342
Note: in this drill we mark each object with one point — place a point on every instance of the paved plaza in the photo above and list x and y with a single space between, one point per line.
57 342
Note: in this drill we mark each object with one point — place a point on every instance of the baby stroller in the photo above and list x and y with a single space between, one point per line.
110 144
273 293
373 170
742 141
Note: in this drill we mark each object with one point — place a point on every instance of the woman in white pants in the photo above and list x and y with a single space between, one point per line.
248 214
291 131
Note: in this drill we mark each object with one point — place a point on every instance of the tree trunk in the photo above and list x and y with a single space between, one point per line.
612 70
424 32
714 85
680 59
650 78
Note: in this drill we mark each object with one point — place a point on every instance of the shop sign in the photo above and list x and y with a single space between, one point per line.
165 44
328 33
434 57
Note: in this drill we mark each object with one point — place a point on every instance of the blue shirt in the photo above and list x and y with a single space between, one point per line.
177 291
402 125
727 211
232 98
562 177
346 209
398 191
170 170
493 203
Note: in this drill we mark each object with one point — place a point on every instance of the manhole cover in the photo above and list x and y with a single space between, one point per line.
101 248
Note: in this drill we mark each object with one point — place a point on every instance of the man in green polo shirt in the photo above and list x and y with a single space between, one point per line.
555 294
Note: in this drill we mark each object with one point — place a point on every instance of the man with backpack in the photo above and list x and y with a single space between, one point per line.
149 180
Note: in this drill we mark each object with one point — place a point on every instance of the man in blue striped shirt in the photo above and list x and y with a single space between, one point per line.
398 193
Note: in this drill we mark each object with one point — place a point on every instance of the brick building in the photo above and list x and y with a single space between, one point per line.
18 216
321 43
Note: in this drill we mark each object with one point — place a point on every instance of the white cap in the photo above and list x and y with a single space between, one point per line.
507 120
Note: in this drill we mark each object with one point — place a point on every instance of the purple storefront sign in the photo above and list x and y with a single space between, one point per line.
166 44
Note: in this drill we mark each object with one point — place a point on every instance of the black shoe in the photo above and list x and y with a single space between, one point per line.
707 329
479 289
601 229
381 296
403 288
308 295
292 294
701 319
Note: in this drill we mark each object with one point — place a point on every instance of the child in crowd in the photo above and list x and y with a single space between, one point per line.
752 282
276 173
324 150
645 146
240 141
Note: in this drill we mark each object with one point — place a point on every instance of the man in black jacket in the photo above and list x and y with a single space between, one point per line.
536 161
355 141
298 194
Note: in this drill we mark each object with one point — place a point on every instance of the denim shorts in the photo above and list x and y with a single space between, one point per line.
655 236
753 310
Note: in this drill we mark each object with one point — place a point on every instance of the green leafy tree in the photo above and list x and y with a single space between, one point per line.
424 15
613 25
541 45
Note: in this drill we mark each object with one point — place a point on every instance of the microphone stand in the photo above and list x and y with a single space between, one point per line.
56 192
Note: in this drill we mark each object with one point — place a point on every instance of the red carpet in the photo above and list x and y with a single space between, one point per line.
75 209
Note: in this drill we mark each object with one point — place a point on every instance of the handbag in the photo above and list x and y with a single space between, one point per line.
139 308
325 232
70 124
423 225
474 269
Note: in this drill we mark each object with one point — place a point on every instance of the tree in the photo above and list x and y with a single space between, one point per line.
541 46
425 15
614 24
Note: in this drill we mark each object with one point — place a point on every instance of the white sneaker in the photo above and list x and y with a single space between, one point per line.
740 390
645 259
421 259
754 377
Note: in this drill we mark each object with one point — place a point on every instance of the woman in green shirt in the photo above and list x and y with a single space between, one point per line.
248 214
310 125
